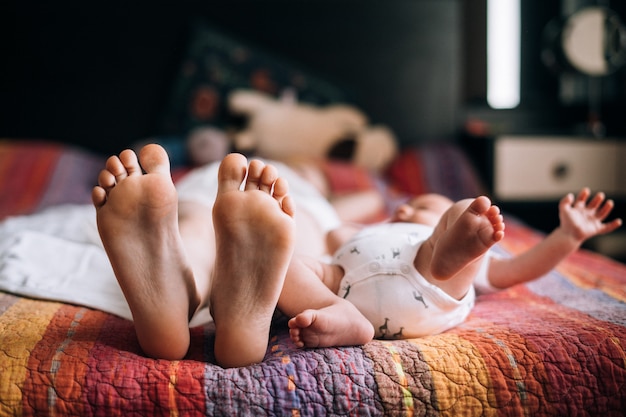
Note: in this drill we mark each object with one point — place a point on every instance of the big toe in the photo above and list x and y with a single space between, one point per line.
232 172
480 205
154 159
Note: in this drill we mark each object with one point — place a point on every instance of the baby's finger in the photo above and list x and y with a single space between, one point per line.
611 226
603 212
566 201
582 196
596 201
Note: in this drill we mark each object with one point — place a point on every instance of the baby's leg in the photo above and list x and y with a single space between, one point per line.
255 236
464 234
320 318
137 219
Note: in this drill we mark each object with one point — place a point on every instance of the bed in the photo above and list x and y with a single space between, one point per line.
551 347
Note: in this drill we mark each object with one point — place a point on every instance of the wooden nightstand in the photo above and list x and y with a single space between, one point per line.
539 168
527 175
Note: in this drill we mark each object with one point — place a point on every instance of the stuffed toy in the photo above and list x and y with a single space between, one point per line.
284 130
322 144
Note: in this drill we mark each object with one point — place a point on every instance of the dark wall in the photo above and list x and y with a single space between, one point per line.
101 76
87 75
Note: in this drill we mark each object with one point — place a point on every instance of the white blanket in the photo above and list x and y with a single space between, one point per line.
57 255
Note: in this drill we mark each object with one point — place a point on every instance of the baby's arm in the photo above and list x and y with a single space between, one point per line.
579 220
337 237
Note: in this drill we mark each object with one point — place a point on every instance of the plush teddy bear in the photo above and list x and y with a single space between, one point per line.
283 129
307 138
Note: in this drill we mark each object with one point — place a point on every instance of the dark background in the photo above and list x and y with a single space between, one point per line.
100 76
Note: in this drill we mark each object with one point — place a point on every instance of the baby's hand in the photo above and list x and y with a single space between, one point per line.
584 219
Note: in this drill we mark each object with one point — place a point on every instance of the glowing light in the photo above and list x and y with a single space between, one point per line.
503 53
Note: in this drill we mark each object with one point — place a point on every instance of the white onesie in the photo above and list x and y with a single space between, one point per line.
382 282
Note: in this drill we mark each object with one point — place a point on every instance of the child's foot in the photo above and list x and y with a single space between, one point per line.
476 230
255 236
340 324
137 216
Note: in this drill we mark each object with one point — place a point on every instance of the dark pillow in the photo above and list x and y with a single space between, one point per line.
217 63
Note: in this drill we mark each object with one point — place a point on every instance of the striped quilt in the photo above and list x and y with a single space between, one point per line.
552 347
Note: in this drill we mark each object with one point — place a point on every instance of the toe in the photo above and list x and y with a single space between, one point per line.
232 172
255 171
106 179
116 168
281 194
153 159
289 206
268 178
480 205
129 160
98 196
493 213
281 188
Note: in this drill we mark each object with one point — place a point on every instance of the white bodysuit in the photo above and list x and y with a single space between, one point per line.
382 282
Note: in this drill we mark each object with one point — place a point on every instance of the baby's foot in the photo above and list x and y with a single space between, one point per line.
476 230
137 218
255 236
340 324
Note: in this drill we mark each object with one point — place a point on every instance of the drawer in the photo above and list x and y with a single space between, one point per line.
535 168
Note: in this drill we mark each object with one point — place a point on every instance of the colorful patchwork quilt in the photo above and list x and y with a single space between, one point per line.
553 347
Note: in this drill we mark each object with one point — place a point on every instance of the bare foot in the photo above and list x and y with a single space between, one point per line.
476 230
339 324
137 218
255 236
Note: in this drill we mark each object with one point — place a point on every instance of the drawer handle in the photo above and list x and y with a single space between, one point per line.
560 171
